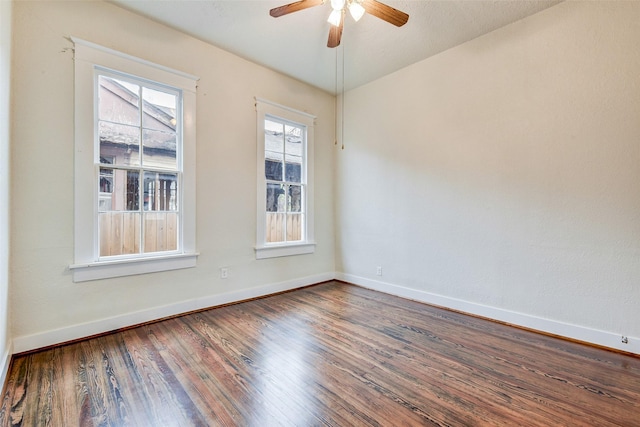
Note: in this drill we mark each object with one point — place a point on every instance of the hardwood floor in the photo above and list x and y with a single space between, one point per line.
331 354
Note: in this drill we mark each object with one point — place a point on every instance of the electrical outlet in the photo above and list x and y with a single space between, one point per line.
224 273
378 271
625 340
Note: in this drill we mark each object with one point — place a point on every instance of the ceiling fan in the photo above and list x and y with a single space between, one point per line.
357 8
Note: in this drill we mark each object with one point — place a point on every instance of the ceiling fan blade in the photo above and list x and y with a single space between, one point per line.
294 7
335 34
384 12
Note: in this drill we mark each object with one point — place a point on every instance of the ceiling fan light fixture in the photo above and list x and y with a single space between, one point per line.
335 18
356 10
337 4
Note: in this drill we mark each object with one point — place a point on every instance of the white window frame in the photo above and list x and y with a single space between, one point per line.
87 265
263 249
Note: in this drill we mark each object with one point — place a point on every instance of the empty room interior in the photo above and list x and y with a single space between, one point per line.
236 213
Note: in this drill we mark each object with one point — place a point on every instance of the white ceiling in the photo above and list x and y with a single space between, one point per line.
295 44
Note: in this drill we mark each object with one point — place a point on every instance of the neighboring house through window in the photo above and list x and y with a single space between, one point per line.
135 142
139 149
285 181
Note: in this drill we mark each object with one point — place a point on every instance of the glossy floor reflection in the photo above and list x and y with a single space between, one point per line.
331 354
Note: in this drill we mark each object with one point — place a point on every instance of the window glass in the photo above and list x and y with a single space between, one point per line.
118 190
118 120
273 165
284 162
159 128
119 101
126 128
160 191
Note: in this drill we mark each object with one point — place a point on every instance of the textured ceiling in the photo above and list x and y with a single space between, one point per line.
295 44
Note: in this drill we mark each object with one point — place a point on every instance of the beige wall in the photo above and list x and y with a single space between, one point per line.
503 176
44 298
5 135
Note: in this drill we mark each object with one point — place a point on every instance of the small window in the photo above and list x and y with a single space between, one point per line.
285 147
135 144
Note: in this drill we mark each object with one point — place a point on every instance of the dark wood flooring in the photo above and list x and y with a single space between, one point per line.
332 354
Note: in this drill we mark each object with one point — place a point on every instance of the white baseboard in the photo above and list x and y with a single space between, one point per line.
597 337
57 336
574 332
5 360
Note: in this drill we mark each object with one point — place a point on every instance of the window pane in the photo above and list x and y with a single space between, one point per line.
119 144
293 171
274 128
160 191
273 136
118 101
119 233
293 140
133 190
276 198
275 227
294 227
160 231
294 204
159 110
159 136
273 143
159 149
117 190
273 166
106 180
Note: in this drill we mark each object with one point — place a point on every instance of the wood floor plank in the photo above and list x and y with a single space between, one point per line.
282 376
13 401
193 367
327 355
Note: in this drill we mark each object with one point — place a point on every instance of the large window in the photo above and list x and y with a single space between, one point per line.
285 178
138 128
135 144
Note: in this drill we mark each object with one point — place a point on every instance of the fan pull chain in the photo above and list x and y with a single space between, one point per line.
340 115
342 112
336 101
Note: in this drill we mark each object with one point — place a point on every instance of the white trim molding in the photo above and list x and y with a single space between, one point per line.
96 53
91 60
574 332
130 267
5 361
284 250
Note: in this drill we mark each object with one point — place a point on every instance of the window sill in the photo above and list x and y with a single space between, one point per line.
129 267
275 251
